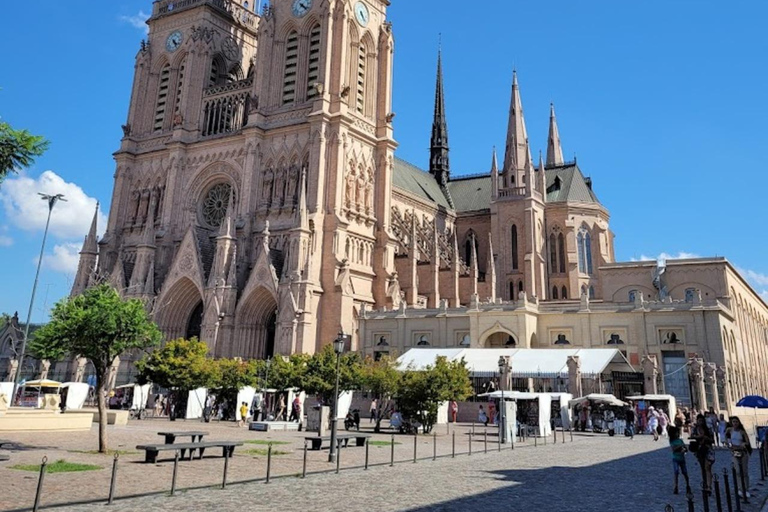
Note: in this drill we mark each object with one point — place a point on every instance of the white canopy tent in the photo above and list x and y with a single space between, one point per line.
523 360
655 400
543 400
77 393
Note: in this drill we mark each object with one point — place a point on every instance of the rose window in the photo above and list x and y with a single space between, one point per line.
214 207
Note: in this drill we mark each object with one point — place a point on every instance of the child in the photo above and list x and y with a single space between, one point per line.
678 457
243 414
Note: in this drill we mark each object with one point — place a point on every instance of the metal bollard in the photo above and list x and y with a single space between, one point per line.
175 472
705 500
415 440
269 462
113 481
718 497
545 438
736 490
434 446
485 440
44 463
470 445
571 431
366 455
473 427
453 445
689 497
762 463
563 436
535 441
392 452
226 468
499 439
304 467
554 433
727 487
338 455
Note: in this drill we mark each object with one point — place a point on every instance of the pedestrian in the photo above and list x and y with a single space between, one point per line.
680 419
454 410
678 458
722 425
491 413
702 441
482 417
663 421
711 419
630 417
281 409
737 439
374 407
243 415
296 410
653 422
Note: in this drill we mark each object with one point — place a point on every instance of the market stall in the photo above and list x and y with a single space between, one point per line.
74 394
560 410
132 396
32 392
596 412
533 409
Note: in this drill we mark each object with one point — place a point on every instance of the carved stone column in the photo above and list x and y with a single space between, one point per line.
722 380
45 368
574 376
113 374
710 378
505 383
696 372
78 369
13 367
650 365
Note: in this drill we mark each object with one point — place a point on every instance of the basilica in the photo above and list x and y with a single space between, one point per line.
259 204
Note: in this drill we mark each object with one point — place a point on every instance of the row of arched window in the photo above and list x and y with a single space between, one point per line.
562 293
557 259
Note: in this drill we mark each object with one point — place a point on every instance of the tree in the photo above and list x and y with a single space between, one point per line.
180 366
320 375
229 376
381 378
18 149
282 373
100 326
420 393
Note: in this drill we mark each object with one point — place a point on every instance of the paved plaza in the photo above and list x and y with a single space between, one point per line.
592 473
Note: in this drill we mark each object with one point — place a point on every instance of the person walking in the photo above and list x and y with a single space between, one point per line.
243 415
679 420
482 417
663 421
702 441
296 410
737 440
722 425
454 411
678 458
653 422
711 419
374 407
281 409
630 417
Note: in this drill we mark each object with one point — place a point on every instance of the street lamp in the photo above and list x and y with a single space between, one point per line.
502 407
338 347
52 200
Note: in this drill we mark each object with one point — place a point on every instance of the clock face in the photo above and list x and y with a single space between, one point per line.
301 7
362 14
174 41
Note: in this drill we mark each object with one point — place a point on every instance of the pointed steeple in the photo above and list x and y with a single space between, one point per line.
91 242
227 229
301 212
439 163
148 235
149 284
475 270
517 135
494 176
554 148
232 274
541 177
529 176
491 279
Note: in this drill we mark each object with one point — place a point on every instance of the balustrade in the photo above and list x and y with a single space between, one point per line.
225 108
231 7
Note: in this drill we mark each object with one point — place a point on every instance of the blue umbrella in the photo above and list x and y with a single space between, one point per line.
753 402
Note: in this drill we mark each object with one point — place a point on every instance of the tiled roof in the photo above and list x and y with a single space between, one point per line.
420 183
572 186
471 194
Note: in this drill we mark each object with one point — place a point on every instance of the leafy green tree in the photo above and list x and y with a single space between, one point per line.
284 372
320 375
18 149
229 376
382 379
420 393
100 326
180 366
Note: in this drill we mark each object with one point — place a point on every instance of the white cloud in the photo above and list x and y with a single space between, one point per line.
64 259
758 280
682 255
137 21
5 241
27 211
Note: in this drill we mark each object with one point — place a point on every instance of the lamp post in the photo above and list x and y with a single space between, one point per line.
502 407
338 347
52 200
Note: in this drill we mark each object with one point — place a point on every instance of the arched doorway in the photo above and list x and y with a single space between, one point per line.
256 326
500 339
180 310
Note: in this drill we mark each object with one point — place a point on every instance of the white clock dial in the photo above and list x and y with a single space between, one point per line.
174 41
362 14
301 7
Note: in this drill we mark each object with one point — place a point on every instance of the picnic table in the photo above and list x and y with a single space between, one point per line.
170 437
153 450
317 442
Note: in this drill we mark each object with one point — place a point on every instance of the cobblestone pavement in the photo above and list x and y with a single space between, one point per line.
592 473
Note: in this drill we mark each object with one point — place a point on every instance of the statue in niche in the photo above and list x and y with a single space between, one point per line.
267 189
292 182
279 190
351 189
361 191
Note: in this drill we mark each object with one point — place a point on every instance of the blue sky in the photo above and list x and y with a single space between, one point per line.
663 103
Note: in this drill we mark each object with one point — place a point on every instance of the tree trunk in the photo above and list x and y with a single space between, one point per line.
101 387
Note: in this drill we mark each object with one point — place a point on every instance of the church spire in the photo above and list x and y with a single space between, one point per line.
517 135
554 148
541 178
494 176
439 164
91 243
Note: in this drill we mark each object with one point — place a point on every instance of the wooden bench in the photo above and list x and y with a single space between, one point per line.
4 458
170 437
153 450
317 442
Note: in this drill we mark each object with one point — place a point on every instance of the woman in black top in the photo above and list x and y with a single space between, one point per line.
705 452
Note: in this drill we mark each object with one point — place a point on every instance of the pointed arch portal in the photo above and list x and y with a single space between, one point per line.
180 310
256 321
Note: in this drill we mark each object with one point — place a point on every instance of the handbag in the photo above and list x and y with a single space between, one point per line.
693 446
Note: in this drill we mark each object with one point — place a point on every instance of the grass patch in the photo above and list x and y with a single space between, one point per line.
382 443
60 466
263 452
109 452
266 442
